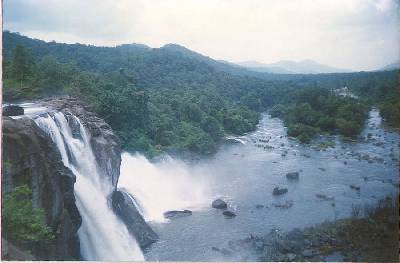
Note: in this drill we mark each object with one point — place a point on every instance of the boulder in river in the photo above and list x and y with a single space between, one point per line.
219 204
125 208
293 176
175 214
279 191
325 197
354 187
13 110
229 214
286 205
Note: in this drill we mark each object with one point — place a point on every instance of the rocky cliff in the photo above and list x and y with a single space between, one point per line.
30 158
105 144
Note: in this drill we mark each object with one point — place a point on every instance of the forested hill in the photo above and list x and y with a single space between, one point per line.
162 62
172 98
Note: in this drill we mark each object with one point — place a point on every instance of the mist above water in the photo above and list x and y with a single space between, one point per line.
163 186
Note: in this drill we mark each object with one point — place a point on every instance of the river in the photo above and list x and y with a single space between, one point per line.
244 174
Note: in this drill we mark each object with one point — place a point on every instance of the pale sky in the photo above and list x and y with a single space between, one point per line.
351 34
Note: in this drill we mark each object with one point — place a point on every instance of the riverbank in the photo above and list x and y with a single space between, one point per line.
371 238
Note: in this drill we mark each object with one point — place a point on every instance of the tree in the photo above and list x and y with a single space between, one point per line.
22 64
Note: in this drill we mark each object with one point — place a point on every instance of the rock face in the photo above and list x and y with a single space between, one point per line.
30 157
125 208
105 144
13 110
175 214
219 204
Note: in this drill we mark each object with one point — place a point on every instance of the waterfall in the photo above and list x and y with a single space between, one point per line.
163 186
102 235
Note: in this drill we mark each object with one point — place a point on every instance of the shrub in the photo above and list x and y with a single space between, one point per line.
20 221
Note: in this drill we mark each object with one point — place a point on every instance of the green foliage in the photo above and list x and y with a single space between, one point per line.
315 110
20 221
302 131
390 111
22 64
171 98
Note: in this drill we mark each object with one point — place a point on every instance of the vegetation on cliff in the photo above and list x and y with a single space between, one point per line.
20 221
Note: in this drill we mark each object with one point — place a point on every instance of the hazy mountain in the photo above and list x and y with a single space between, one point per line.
291 67
392 66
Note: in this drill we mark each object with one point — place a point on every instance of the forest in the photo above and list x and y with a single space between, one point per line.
173 99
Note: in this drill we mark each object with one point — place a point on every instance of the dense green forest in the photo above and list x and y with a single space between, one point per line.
171 98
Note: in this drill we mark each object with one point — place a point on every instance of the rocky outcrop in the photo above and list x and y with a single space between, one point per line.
30 158
13 110
105 144
125 208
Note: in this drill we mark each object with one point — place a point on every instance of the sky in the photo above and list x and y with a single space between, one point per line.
349 34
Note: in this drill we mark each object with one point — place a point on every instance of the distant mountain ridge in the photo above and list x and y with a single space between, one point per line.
291 67
392 66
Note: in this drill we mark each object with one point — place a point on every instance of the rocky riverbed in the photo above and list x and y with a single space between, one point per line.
324 181
371 238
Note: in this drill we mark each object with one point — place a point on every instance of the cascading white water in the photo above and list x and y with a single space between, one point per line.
102 235
164 186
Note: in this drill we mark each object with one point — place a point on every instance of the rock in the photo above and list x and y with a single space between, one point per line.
105 144
259 206
279 191
13 110
175 214
291 256
322 169
31 158
229 214
219 204
232 140
324 197
125 208
286 205
293 176
11 252
307 253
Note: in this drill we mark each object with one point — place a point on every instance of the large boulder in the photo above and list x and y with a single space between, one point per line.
13 110
219 204
30 158
125 208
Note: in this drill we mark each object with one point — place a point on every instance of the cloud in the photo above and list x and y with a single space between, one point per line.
358 34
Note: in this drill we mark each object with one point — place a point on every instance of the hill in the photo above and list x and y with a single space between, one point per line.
291 67
172 98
